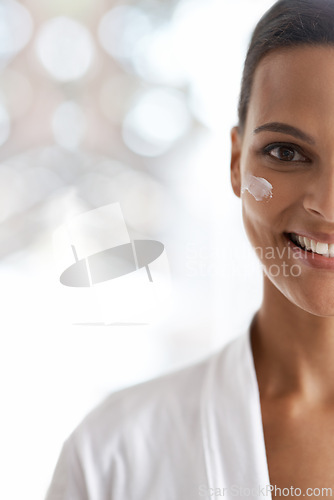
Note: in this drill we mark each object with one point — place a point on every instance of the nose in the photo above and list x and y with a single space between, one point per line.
319 200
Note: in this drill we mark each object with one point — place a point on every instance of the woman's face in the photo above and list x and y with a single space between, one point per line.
288 140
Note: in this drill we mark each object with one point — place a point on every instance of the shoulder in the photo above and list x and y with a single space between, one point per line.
151 432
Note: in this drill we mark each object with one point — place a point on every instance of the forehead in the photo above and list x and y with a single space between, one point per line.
295 86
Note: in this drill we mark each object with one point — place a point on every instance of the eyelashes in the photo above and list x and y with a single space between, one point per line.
285 153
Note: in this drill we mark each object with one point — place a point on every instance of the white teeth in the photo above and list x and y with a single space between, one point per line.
308 244
324 249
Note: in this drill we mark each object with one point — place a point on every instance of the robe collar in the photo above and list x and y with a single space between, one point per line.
233 438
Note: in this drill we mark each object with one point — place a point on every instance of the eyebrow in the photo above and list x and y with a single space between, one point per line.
285 129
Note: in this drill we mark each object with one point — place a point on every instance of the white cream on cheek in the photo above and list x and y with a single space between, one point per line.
258 187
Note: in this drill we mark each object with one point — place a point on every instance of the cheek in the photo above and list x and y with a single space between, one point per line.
258 220
259 203
257 196
271 201
259 187
266 220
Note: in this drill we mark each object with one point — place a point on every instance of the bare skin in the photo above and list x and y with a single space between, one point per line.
293 332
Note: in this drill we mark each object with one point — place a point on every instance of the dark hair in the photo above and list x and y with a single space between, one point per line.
288 23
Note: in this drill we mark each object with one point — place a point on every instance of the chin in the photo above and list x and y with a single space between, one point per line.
323 311
312 302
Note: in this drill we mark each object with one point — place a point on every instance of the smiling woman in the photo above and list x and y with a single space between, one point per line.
285 135
290 145
256 418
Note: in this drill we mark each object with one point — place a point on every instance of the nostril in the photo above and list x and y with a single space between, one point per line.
316 212
325 212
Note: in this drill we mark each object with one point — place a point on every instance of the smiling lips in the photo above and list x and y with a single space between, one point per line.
317 247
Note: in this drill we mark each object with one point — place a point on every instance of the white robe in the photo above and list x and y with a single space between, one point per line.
196 433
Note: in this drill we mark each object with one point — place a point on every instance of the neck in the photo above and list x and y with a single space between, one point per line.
293 349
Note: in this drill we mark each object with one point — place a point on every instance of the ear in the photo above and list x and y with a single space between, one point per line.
235 161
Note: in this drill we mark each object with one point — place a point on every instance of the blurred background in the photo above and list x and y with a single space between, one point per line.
114 102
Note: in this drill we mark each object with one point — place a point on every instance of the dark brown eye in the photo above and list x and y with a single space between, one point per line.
284 153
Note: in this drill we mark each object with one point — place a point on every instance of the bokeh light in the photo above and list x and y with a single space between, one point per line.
65 48
156 57
120 30
157 119
15 29
68 125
